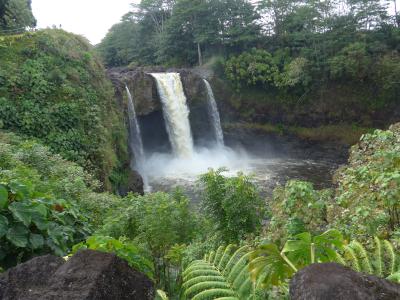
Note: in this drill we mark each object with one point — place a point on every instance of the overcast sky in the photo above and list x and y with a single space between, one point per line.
90 18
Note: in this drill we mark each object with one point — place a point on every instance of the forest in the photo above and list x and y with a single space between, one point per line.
78 165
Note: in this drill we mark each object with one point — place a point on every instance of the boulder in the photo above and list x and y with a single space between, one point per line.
134 183
87 275
336 282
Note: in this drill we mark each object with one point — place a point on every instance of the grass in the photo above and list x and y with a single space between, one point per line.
341 133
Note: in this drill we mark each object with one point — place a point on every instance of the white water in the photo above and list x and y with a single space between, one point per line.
214 114
176 113
135 140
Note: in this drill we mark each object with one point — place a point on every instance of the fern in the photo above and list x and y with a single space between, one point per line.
392 257
381 262
222 274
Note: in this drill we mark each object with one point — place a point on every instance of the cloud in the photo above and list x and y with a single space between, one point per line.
90 18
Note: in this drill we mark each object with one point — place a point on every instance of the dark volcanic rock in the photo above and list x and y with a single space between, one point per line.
28 280
87 275
335 282
134 184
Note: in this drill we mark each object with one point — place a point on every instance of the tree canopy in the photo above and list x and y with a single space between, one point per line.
16 15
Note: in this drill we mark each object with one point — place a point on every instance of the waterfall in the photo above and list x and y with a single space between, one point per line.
135 139
176 112
214 114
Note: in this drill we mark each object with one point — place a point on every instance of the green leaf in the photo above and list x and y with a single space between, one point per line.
3 226
18 235
3 196
20 190
40 222
22 212
36 241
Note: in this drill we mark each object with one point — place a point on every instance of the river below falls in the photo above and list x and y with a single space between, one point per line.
269 160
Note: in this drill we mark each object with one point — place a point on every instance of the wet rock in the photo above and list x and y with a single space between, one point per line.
336 282
134 184
87 275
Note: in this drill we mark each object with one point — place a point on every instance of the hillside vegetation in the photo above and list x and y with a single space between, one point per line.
54 88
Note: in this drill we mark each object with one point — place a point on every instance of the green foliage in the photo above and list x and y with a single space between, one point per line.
255 67
270 266
221 274
367 197
157 222
15 16
33 224
273 267
353 62
53 88
297 207
233 204
122 248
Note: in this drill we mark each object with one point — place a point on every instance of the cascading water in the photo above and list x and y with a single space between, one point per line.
214 114
135 140
176 113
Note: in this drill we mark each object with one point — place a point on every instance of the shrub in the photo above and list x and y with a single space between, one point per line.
33 224
233 204
297 208
368 193
121 248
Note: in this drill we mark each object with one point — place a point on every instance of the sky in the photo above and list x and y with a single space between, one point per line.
90 18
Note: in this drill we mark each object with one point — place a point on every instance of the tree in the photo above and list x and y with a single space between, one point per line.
120 46
16 15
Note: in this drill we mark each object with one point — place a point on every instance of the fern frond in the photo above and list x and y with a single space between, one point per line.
391 256
245 288
225 258
214 293
211 257
352 258
195 273
199 279
394 277
234 258
207 285
339 259
378 257
226 276
218 255
363 256
194 266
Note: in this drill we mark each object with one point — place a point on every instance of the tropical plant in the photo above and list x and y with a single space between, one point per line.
122 248
270 266
222 274
233 204
33 224
273 267
295 208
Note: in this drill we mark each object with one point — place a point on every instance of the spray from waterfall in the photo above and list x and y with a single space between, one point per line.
176 113
214 115
135 140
